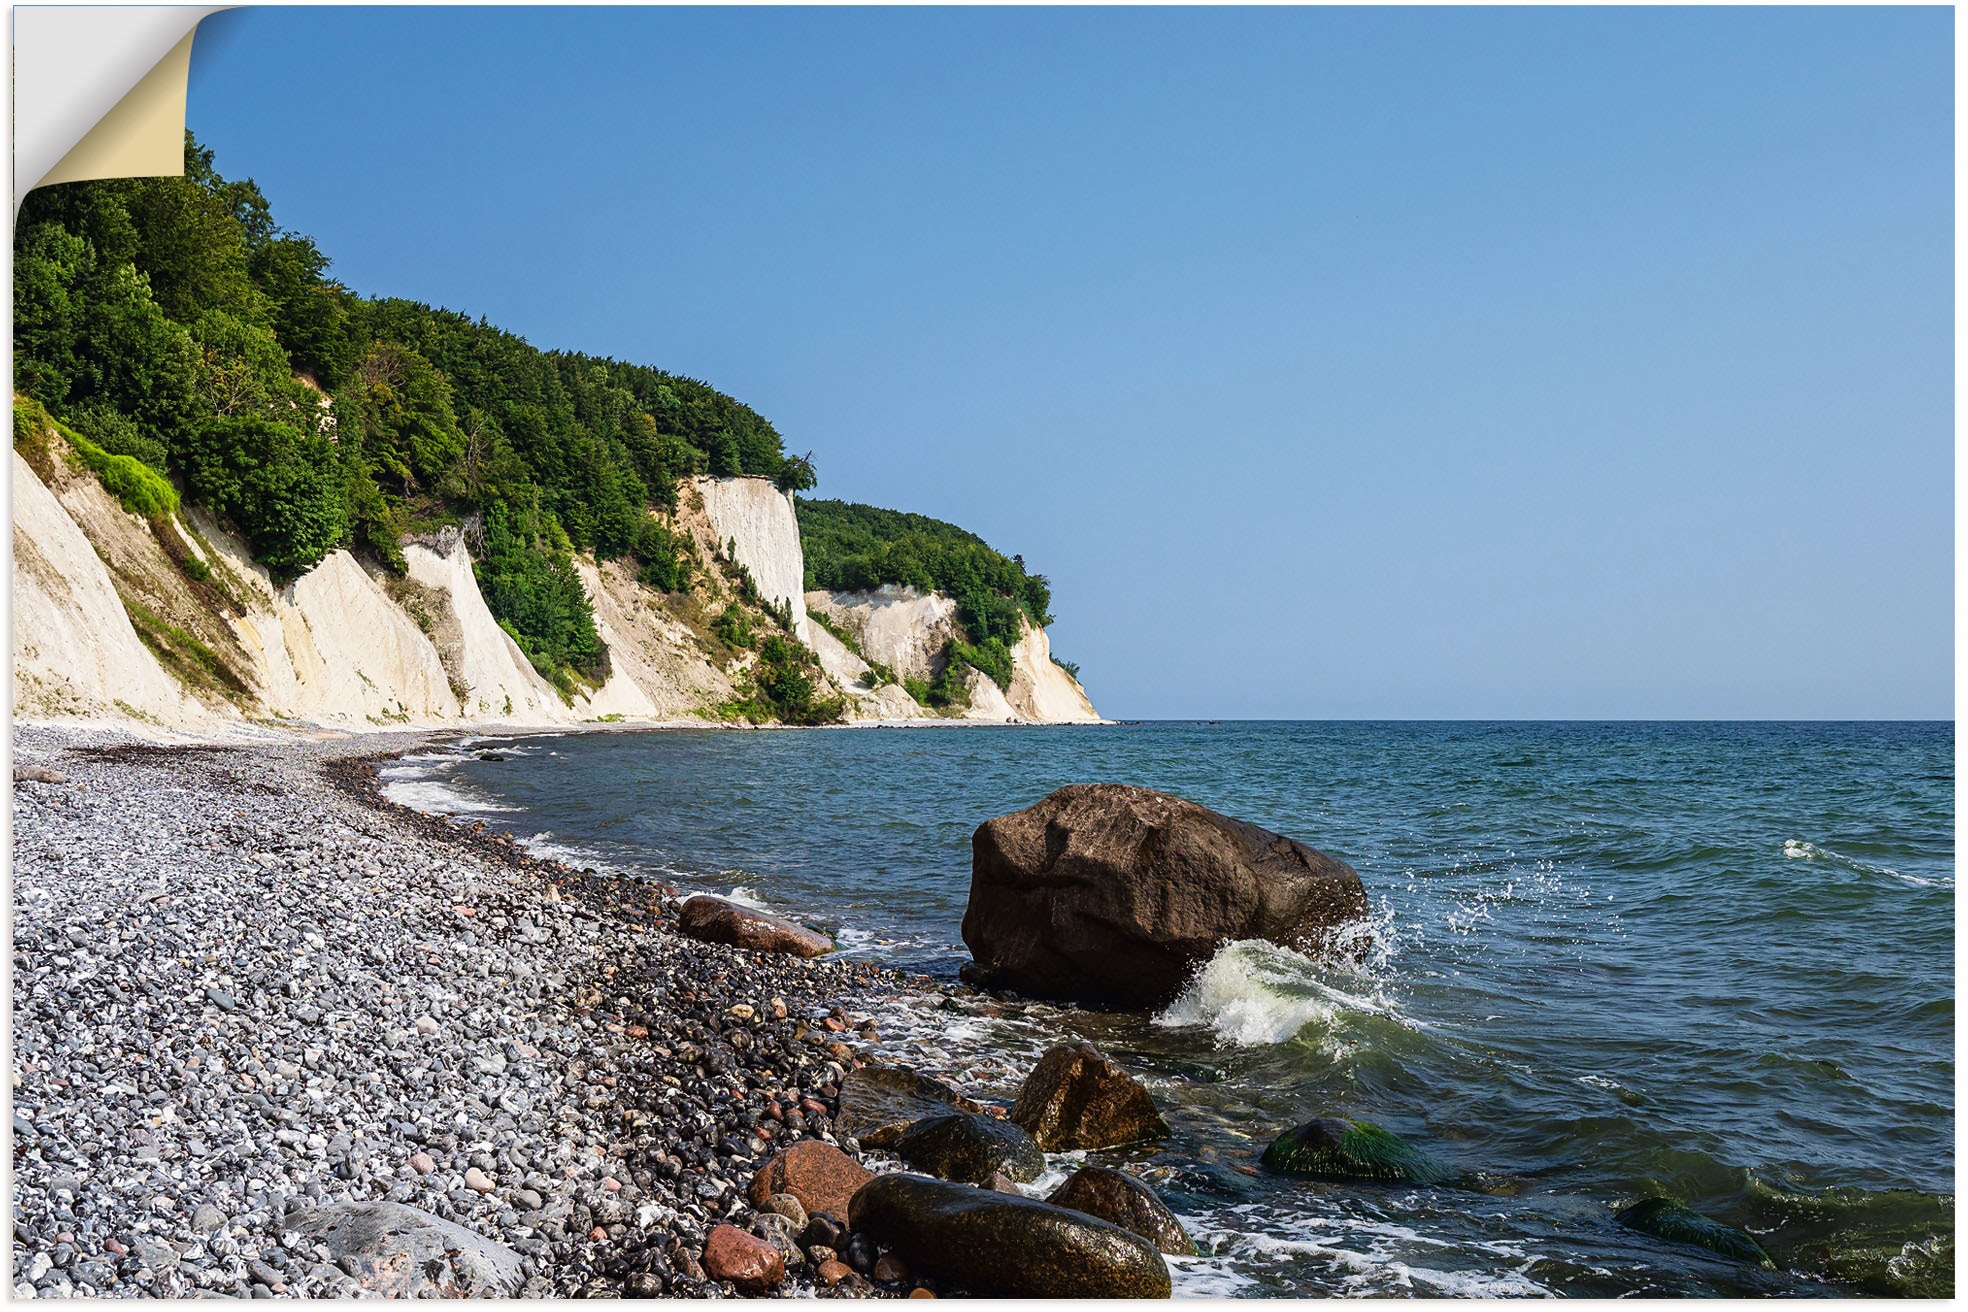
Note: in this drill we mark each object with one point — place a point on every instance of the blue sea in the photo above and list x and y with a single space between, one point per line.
1712 961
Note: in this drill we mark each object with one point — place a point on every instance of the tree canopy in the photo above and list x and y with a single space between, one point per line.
173 321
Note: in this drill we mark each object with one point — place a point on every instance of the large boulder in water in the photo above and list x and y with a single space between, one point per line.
401 1252
1663 1218
715 920
993 1245
1113 894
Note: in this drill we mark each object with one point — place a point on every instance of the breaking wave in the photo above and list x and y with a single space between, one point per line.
1254 992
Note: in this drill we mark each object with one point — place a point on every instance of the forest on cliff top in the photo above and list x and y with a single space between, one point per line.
175 328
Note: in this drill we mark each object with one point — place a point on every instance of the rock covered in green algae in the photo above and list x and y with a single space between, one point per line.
1663 1218
1127 1202
970 1148
1330 1148
991 1244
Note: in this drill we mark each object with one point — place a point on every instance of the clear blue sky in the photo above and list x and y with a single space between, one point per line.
1332 363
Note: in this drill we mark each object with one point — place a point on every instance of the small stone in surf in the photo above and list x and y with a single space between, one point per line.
1663 1218
1331 1148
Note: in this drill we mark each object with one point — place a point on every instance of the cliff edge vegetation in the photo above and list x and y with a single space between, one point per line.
629 531
857 548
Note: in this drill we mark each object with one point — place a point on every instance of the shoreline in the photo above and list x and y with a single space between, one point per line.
265 733
298 992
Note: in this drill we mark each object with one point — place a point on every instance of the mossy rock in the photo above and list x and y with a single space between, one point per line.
1330 1148
1663 1218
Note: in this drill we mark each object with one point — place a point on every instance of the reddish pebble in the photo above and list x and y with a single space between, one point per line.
773 1111
422 1163
116 1248
813 1107
832 1273
597 1234
834 1023
611 1184
747 1261
921 1292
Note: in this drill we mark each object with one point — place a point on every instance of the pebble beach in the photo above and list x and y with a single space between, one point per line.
247 990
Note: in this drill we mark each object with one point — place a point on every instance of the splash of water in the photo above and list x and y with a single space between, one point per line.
1254 992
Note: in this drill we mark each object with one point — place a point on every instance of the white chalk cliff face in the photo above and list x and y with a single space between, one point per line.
907 631
76 654
758 521
110 625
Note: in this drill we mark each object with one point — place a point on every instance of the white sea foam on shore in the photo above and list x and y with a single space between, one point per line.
421 788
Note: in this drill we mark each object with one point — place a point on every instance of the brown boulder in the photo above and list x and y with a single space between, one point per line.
1076 1098
747 1261
819 1175
994 1245
1118 1197
715 920
877 1103
1112 894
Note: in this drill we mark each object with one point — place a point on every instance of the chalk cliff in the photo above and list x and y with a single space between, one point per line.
909 633
172 624
754 520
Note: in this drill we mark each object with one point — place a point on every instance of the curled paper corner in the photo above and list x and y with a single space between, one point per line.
99 91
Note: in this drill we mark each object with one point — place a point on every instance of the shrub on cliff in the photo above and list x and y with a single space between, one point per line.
782 685
851 547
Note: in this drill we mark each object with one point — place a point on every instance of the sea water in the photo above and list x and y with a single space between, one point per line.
1707 961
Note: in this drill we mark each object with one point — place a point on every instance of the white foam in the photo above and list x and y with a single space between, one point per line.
1253 992
545 846
1795 849
1363 1256
437 797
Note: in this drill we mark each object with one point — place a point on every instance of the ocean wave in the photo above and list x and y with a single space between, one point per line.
1360 1257
850 940
549 848
422 791
1253 992
1796 849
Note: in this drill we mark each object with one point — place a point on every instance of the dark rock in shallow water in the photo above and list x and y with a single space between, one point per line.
820 1176
1077 1098
1125 1201
715 920
1663 1218
970 1148
994 1245
1113 894
877 1103
1333 1149
401 1252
